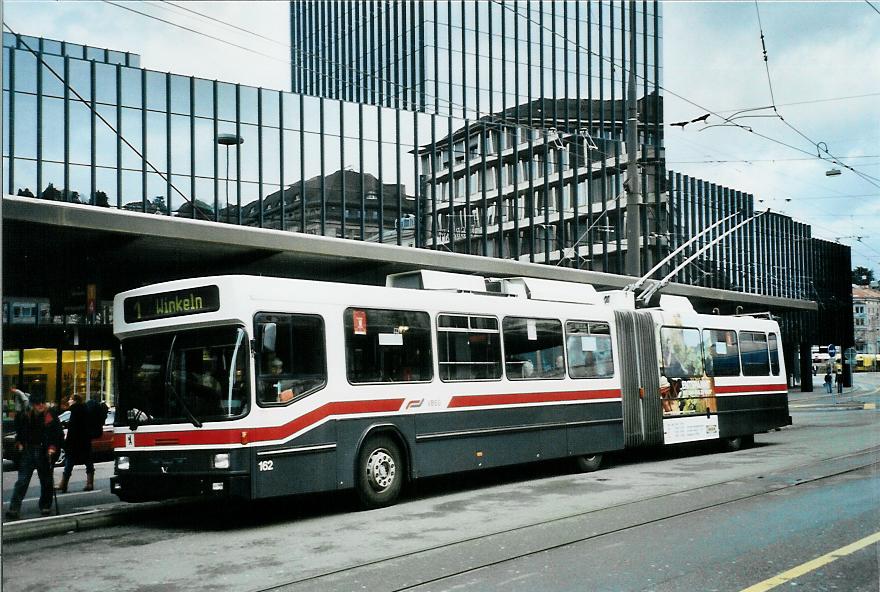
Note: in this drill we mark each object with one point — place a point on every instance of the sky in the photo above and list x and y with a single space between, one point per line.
824 71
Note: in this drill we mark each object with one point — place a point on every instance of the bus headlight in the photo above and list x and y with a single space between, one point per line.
122 463
221 460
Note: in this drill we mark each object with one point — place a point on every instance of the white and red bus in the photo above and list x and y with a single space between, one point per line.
256 387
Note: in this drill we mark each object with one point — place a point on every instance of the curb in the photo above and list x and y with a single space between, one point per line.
849 406
32 528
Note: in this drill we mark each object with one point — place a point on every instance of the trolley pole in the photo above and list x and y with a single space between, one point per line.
633 197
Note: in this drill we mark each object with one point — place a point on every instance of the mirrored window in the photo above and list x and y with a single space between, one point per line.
156 99
25 71
105 84
204 99
131 87
25 125
180 94
248 104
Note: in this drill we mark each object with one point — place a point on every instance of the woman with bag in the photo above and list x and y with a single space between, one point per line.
78 444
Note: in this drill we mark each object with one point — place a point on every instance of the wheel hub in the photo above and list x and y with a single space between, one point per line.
380 469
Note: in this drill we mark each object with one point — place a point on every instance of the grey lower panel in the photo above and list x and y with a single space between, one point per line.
440 443
751 414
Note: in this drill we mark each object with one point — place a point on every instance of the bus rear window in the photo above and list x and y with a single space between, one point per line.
387 346
774 355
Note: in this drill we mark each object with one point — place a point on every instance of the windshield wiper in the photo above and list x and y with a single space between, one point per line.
169 386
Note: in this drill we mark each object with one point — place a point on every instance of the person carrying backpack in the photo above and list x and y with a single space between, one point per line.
78 444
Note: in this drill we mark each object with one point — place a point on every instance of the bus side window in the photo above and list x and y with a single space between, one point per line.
755 356
297 366
682 352
722 352
533 348
469 347
589 350
387 346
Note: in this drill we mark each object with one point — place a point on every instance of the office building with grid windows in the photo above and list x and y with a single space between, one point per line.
525 106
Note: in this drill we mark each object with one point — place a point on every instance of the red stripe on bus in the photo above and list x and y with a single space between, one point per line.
234 436
517 398
749 388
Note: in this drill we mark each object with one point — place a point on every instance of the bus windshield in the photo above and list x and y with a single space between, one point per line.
189 376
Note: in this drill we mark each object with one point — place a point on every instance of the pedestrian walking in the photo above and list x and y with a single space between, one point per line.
839 379
828 382
38 438
78 444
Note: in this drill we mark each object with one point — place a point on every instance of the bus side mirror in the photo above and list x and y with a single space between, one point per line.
267 339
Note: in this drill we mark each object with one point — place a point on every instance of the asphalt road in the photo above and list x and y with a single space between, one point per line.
680 518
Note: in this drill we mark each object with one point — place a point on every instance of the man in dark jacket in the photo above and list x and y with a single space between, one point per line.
78 444
38 438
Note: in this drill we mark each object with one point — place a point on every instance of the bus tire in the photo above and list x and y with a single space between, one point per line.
587 463
380 472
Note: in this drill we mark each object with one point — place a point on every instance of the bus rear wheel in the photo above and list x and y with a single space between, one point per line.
380 473
587 463
732 444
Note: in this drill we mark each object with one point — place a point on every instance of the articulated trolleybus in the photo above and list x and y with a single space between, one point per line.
255 387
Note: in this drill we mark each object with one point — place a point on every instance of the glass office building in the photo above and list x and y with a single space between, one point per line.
525 156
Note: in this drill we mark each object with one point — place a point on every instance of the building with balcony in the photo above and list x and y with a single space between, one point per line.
866 319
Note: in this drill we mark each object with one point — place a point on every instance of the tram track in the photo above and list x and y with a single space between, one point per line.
497 548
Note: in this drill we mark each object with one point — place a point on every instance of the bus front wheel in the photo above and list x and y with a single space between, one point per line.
588 463
380 472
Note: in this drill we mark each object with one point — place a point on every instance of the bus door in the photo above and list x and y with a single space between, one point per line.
640 380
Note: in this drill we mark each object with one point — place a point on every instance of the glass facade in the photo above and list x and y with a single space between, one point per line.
773 255
517 154
524 154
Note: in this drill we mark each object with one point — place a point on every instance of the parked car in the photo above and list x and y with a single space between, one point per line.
102 448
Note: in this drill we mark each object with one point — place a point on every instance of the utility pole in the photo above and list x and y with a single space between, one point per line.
633 196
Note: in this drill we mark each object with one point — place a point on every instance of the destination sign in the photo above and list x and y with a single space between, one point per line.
171 304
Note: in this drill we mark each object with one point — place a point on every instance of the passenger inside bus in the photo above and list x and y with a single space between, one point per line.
272 385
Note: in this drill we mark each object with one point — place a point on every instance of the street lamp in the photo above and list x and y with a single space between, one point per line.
228 140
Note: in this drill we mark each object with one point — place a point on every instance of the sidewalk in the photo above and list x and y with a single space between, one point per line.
110 515
820 400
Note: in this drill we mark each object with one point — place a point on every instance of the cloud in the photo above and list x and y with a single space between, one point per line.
816 50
